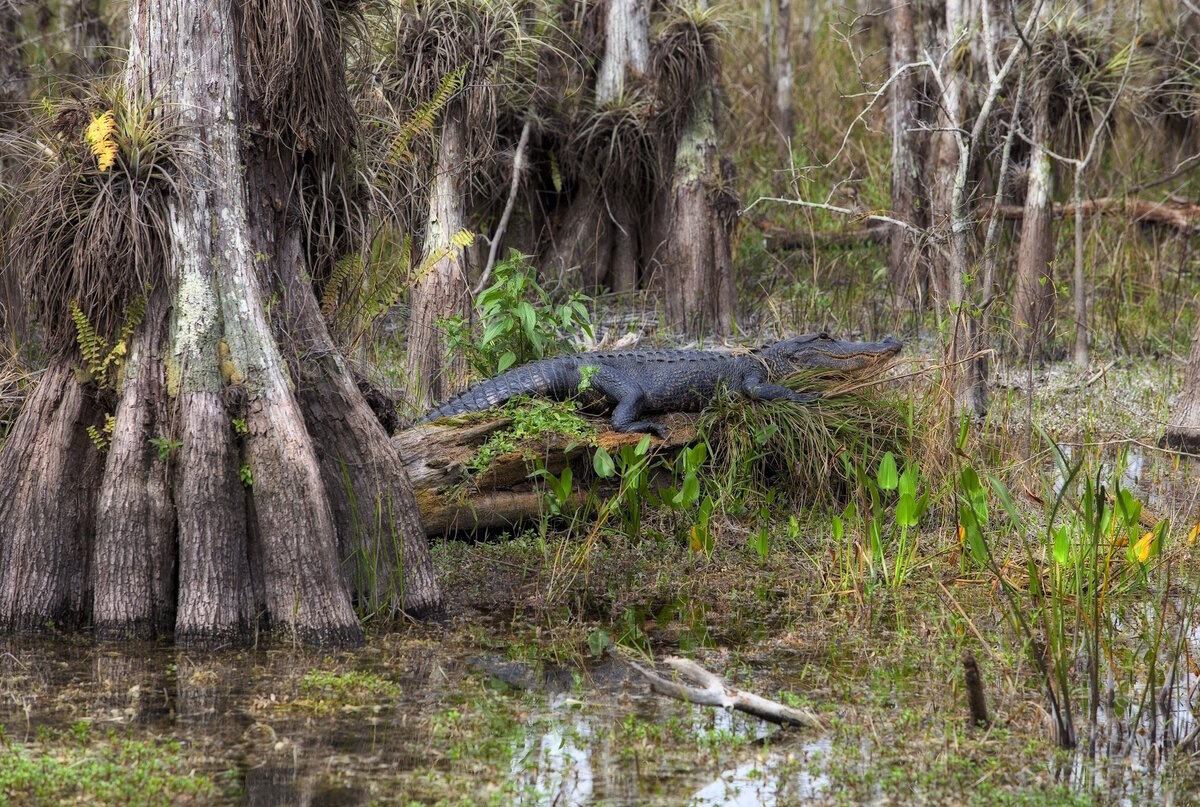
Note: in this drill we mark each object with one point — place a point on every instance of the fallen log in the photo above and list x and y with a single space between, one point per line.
781 239
452 498
1181 216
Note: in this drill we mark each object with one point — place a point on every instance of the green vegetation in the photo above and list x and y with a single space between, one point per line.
518 321
82 765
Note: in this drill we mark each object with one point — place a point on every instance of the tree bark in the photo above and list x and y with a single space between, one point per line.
696 272
904 255
626 47
1033 294
381 540
47 513
445 288
1183 429
134 554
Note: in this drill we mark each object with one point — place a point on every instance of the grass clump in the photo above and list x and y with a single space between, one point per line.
759 446
76 767
352 685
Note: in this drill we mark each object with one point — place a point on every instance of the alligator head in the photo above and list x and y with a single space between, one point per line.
819 351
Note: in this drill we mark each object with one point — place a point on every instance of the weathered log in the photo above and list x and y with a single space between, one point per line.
1181 216
451 498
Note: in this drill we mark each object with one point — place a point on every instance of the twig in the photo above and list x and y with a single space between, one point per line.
518 166
713 691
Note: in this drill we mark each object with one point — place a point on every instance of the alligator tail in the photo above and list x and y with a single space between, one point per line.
536 378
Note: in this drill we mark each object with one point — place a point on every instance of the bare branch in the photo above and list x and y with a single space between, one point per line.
711 690
518 166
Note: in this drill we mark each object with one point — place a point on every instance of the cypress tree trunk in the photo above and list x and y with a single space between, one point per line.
47 515
1033 295
599 240
697 279
264 507
1183 430
445 288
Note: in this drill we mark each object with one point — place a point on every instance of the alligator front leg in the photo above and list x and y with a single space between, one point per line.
762 391
630 401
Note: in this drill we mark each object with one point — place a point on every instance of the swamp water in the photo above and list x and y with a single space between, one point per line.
452 713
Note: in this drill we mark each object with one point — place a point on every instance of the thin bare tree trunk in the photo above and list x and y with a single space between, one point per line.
784 117
945 272
445 289
1033 294
904 255
1079 280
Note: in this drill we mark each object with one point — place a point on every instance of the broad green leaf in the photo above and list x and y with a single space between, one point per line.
506 360
602 463
887 476
906 511
643 446
689 492
908 480
839 528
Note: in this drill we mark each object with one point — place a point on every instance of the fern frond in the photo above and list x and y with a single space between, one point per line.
345 269
423 118
92 346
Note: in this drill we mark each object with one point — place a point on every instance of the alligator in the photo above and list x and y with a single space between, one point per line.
639 382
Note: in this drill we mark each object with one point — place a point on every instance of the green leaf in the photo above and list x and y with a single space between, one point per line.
1129 507
1062 545
886 476
506 360
602 463
690 491
906 510
839 528
696 456
642 447
1006 500
598 642
528 318
908 480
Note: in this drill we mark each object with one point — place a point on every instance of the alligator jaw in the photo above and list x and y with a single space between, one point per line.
820 352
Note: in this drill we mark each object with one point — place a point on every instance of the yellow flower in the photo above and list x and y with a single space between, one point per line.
1142 548
99 138
1193 534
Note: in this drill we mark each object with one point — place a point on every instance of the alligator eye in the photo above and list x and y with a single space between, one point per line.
823 335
